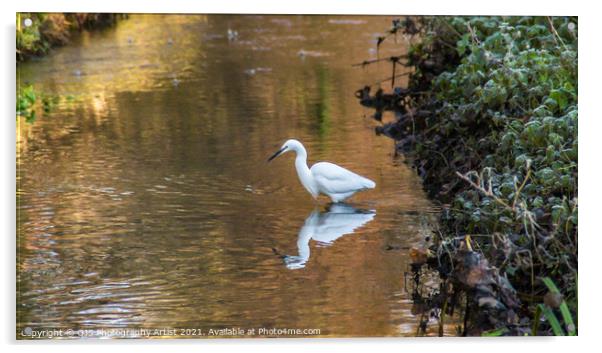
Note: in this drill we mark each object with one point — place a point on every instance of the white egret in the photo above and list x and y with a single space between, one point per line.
329 179
326 227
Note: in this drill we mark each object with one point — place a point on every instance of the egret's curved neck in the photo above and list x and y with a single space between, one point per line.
305 235
303 170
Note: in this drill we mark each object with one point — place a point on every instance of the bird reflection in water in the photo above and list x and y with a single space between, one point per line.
326 227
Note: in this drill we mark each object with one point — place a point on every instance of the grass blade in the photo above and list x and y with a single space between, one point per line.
564 309
551 317
568 318
494 333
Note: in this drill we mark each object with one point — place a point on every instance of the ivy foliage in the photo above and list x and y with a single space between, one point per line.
498 144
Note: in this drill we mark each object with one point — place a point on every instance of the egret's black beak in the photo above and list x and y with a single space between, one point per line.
279 152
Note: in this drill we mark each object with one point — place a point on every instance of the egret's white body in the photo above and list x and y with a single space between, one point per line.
326 227
325 178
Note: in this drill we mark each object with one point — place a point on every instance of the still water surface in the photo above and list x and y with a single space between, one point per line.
145 200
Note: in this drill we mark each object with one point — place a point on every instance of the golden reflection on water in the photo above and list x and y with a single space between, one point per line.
144 198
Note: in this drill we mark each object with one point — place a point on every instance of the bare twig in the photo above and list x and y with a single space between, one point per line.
555 32
390 58
517 193
389 78
473 34
485 192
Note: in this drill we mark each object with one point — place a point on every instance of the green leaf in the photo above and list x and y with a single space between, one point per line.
560 98
564 309
551 317
31 117
495 333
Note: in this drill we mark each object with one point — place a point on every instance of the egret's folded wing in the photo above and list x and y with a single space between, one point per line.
337 180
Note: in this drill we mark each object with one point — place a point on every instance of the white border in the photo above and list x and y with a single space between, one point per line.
388 7
590 127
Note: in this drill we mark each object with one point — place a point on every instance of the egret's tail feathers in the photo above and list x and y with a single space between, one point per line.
369 184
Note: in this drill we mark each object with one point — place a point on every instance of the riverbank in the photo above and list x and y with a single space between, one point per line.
37 33
489 121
